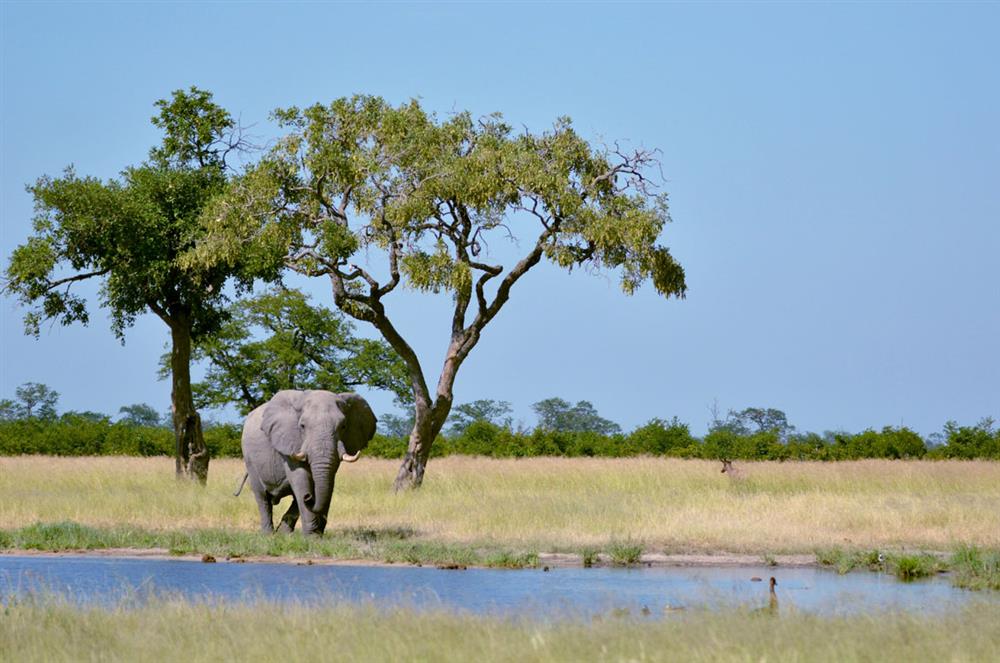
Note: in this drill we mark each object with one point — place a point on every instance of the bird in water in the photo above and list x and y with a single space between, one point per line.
772 604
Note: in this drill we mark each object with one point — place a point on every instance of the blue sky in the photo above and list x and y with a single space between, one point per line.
833 174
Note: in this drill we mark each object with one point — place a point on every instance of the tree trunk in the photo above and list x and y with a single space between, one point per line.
428 421
190 452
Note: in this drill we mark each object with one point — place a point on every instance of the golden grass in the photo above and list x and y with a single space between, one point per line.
222 632
555 503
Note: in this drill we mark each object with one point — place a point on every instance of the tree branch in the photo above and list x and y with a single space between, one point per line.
77 277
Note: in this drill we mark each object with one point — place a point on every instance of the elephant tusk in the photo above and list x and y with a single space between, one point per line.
301 456
344 456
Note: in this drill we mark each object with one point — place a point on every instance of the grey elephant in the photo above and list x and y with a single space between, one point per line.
294 444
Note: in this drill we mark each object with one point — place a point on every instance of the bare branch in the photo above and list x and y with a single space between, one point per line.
393 270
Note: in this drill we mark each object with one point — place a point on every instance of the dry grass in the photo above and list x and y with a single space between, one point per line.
554 503
205 632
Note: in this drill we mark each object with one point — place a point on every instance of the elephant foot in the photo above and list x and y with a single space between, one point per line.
285 528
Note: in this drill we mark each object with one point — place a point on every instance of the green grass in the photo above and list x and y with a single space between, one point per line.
912 567
625 553
905 566
975 568
47 630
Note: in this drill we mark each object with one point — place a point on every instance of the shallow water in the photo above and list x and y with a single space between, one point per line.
529 592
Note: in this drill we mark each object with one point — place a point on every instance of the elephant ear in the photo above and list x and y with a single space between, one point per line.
359 422
280 421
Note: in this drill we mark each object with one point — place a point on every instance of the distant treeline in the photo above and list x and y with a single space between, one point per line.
73 434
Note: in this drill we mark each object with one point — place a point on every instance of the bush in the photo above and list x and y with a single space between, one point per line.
979 441
81 434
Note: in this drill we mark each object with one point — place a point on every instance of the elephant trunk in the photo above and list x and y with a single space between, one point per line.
323 473
302 484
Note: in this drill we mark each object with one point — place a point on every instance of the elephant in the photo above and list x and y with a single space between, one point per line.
294 444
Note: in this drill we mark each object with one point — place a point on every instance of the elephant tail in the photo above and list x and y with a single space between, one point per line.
243 482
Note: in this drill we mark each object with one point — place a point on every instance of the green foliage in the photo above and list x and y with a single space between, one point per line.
276 341
34 401
659 437
912 567
395 425
197 133
491 411
130 233
625 553
74 434
755 420
82 433
506 559
975 568
979 441
555 414
139 414
360 178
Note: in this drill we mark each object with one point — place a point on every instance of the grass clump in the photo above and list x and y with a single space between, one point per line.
904 566
625 553
843 561
429 552
975 568
512 560
912 567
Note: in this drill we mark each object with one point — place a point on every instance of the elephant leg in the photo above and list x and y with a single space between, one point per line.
290 518
266 511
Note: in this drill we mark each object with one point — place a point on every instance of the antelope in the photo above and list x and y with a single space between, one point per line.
734 473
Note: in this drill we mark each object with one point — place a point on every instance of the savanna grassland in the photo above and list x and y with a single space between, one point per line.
526 505
504 513
172 630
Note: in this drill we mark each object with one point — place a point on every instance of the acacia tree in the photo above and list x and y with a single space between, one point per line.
129 233
360 179
297 346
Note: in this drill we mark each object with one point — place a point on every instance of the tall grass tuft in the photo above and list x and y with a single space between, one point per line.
975 568
625 553
912 567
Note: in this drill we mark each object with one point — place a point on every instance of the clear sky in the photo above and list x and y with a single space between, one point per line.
834 173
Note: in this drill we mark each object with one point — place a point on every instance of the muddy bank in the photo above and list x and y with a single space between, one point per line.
558 560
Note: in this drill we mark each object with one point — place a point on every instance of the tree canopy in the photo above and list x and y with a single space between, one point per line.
139 414
497 413
277 340
130 233
361 179
556 414
34 401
